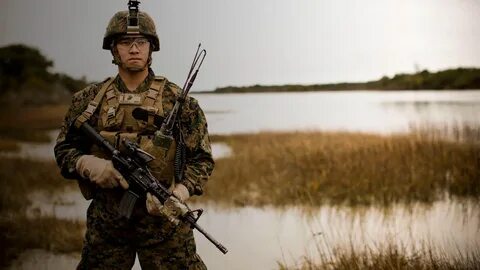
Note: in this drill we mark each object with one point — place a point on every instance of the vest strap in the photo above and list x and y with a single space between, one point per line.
155 88
93 105
112 100
110 94
155 92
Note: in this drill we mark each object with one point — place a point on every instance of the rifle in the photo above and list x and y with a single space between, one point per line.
132 163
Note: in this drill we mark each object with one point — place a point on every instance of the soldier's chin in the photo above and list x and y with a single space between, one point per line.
135 68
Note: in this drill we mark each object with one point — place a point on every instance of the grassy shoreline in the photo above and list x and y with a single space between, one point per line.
19 177
388 257
277 169
28 124
314 168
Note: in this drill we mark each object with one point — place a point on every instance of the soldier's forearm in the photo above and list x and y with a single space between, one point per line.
196 174
67 160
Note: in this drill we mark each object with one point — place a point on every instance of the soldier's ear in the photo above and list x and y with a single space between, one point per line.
116 57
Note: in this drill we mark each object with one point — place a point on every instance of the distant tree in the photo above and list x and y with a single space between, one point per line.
25 78
19 64
71 84
425 72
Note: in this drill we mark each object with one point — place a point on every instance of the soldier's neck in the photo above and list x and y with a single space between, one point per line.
132 79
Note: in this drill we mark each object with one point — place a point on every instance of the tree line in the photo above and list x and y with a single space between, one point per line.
25 78
459 78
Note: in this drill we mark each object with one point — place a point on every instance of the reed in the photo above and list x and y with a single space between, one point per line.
390 257
30 123
19 177
314 168
9 145
20 233
33 117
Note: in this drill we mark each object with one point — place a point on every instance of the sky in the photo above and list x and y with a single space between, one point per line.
268 42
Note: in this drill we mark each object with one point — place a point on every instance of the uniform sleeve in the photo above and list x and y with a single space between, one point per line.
71 143
199 162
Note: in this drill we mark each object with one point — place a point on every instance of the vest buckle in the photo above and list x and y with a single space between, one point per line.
111 113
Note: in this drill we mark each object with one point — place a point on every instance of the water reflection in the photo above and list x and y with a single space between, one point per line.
38 151
259 237
38 259
367 111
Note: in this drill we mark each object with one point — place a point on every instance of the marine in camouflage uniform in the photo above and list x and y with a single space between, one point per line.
112 241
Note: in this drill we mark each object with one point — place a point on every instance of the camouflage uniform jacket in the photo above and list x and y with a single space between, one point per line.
72 143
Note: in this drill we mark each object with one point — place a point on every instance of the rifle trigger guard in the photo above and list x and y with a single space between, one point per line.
196 214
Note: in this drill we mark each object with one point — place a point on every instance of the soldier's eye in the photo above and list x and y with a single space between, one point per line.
125 42
142 42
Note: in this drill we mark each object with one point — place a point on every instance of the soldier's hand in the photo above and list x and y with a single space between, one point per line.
181 192
100 171
173 208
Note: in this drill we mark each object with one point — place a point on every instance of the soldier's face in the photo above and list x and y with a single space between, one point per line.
133 52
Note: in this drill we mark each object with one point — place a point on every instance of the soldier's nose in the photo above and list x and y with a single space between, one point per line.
134 48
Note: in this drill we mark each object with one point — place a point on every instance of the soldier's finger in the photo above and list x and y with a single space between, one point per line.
173 220
157 202
105 184
119 179
113 182
149 203
123 183
152 207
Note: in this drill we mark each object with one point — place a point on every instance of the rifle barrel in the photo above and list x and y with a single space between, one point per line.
220 247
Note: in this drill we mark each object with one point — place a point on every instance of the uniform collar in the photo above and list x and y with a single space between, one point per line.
144 86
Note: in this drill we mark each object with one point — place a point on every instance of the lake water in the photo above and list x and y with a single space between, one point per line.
258 238
366 111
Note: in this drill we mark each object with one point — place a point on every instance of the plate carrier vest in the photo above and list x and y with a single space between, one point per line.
115 122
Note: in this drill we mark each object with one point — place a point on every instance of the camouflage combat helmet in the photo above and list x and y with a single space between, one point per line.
118 26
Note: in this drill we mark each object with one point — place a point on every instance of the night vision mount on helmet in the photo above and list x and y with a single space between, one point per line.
131 22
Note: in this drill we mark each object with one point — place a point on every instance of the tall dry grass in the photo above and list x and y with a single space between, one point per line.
390 257
29 123
20 233
19 177
346 168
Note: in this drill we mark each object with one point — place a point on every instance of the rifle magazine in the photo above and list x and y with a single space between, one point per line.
127 204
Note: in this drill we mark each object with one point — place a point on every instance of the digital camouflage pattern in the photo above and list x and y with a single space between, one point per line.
111 241
118 26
